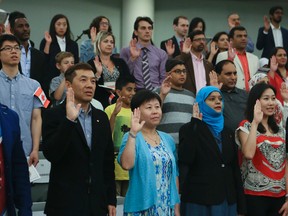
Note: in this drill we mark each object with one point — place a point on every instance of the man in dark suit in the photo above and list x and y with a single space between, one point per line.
198 68
33 63
77 141
173 45
272 34
14 177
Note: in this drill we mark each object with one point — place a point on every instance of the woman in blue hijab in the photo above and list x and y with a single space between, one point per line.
210 180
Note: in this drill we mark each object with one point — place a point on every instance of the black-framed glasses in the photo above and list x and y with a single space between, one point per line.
9 48
178 71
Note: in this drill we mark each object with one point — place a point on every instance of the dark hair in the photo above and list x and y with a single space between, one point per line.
194 33
219 66
52 31
274 52
96 23
254 95
8 37
236 28
218 35
171 63
273 9
176 19
122 81
139 19
143 96
13 16
71 72
194 22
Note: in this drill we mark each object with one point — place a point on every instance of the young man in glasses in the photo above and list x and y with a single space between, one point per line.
14 177
177 101
23 95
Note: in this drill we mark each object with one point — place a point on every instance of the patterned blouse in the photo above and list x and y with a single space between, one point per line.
264 175
163 168
108 76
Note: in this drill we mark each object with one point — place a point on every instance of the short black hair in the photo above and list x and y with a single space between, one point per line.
219 66
8 37
71 72
171 63
143 96
194 22
13 16
194 33
236 28
142 18
122 81
176 19
273 9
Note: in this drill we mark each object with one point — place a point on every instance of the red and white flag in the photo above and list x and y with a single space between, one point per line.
42 97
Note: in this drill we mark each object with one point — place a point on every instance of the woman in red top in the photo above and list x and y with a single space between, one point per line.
278 70
263 159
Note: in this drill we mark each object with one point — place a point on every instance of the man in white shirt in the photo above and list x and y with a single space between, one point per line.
272 35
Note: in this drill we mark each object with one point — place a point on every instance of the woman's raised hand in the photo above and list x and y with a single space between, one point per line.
136 125
196 112
258 114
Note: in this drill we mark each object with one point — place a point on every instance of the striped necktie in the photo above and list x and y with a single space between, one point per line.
145 69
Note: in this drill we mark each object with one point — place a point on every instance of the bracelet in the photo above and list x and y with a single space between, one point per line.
132 135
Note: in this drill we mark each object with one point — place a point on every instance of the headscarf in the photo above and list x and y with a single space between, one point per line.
214 120
256 79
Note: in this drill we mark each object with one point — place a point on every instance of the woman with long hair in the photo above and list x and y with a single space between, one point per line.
263 155
219 43
59 38
278 70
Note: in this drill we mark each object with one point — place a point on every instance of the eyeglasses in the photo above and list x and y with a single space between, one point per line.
178 71
104 23
9 48
200 39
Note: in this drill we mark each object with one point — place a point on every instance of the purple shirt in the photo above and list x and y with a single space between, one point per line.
157 59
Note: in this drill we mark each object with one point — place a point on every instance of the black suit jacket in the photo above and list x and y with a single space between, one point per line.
266 41
175 42
82 181
102 94
212 176
71 46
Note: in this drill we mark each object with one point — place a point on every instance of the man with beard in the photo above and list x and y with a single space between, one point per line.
33 63
246 63
272 34
198 68
174 45
146 62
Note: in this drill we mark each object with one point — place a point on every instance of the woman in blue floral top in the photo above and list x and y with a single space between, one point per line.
150 157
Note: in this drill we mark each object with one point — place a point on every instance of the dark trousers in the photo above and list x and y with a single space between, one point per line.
263 206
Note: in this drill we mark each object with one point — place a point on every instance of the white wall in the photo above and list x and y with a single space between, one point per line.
81 13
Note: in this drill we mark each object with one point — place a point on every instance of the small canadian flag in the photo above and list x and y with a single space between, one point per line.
42 97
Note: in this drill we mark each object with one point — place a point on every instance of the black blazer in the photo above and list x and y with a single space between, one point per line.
212 176
101 94
175 42
266 41
82 181
71 46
